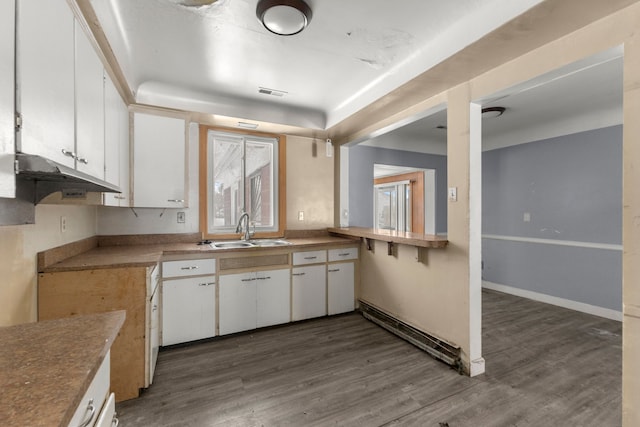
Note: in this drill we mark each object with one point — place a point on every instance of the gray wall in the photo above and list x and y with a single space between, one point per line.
572 188
361 161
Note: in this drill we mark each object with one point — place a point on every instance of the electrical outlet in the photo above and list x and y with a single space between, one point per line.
63 224
300 215
181 217
526 217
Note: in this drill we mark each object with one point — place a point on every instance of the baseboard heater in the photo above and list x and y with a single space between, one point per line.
437 348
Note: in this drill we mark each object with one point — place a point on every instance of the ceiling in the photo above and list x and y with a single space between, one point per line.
582 96
211 57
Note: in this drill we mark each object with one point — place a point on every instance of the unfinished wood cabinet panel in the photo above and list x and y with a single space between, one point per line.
71 293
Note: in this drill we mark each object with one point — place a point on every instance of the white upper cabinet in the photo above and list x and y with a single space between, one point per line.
45 79
159 153
7 82
116 140
89 90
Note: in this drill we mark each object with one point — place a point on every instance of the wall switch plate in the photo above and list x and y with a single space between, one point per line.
300 215
63 224
526 217
181 217
453 194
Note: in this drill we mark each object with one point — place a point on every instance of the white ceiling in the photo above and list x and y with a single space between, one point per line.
581 96
212 56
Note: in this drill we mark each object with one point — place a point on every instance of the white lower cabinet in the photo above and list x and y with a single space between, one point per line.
91 406
237 298
273 297
188 309
253 300
309 292
340 288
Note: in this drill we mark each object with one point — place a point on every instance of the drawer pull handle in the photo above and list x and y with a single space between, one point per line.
202 284
334 270
263 278
247 280
298 274
175 200
115 422
82 160
310 257
192 267
206 284
91 408
344 254
69 153
155 307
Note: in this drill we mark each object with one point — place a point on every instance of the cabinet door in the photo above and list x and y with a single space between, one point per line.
7 90
89 75
309 292
237 303
273 297
340 292
159 162
45 79
188 309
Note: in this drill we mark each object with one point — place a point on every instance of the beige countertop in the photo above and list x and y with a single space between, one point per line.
141 255
402 237
46 367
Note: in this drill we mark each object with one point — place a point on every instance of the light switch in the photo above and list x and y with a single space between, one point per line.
526 217
300 215
453 194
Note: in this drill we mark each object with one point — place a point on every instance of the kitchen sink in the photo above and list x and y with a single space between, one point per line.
232 245
236 244
270 242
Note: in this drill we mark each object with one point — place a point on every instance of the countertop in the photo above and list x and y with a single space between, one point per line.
402 237
141 255
46 367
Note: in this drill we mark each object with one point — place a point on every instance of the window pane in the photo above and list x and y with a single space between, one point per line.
386 208
227 195
259 191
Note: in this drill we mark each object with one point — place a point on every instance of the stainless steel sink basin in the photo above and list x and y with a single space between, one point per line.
236 244
232 245
270 242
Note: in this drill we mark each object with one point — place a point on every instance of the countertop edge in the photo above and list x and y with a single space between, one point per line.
411 239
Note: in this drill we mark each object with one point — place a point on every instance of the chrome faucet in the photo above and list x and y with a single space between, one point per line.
240 229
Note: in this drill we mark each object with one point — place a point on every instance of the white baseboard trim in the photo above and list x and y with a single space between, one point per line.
561 302
476 367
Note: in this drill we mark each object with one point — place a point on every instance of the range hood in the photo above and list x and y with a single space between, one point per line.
37 177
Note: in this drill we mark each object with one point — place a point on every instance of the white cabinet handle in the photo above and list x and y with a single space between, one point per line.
191 267
82 160
69 153
91 408
176 200
298 274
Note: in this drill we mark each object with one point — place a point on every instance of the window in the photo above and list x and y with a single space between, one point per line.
241 172
399 202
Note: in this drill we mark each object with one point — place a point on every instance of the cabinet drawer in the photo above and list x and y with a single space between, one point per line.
343 254
309 257
190 267
108 417
94 398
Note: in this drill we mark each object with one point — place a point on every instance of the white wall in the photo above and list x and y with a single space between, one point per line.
19 246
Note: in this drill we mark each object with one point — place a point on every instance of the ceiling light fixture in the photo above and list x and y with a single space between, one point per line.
245 125
492 112
284 17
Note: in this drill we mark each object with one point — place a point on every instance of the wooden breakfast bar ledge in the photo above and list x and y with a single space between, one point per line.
392 237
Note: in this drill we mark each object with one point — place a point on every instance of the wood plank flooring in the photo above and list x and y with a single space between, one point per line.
546 366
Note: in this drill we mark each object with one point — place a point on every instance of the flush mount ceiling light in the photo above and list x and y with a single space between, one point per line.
492 112
284 17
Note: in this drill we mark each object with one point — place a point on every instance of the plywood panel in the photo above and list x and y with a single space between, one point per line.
72 293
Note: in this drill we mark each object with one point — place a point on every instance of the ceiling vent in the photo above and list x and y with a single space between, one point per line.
272 92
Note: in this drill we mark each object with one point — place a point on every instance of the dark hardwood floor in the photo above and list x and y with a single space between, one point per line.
545 366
